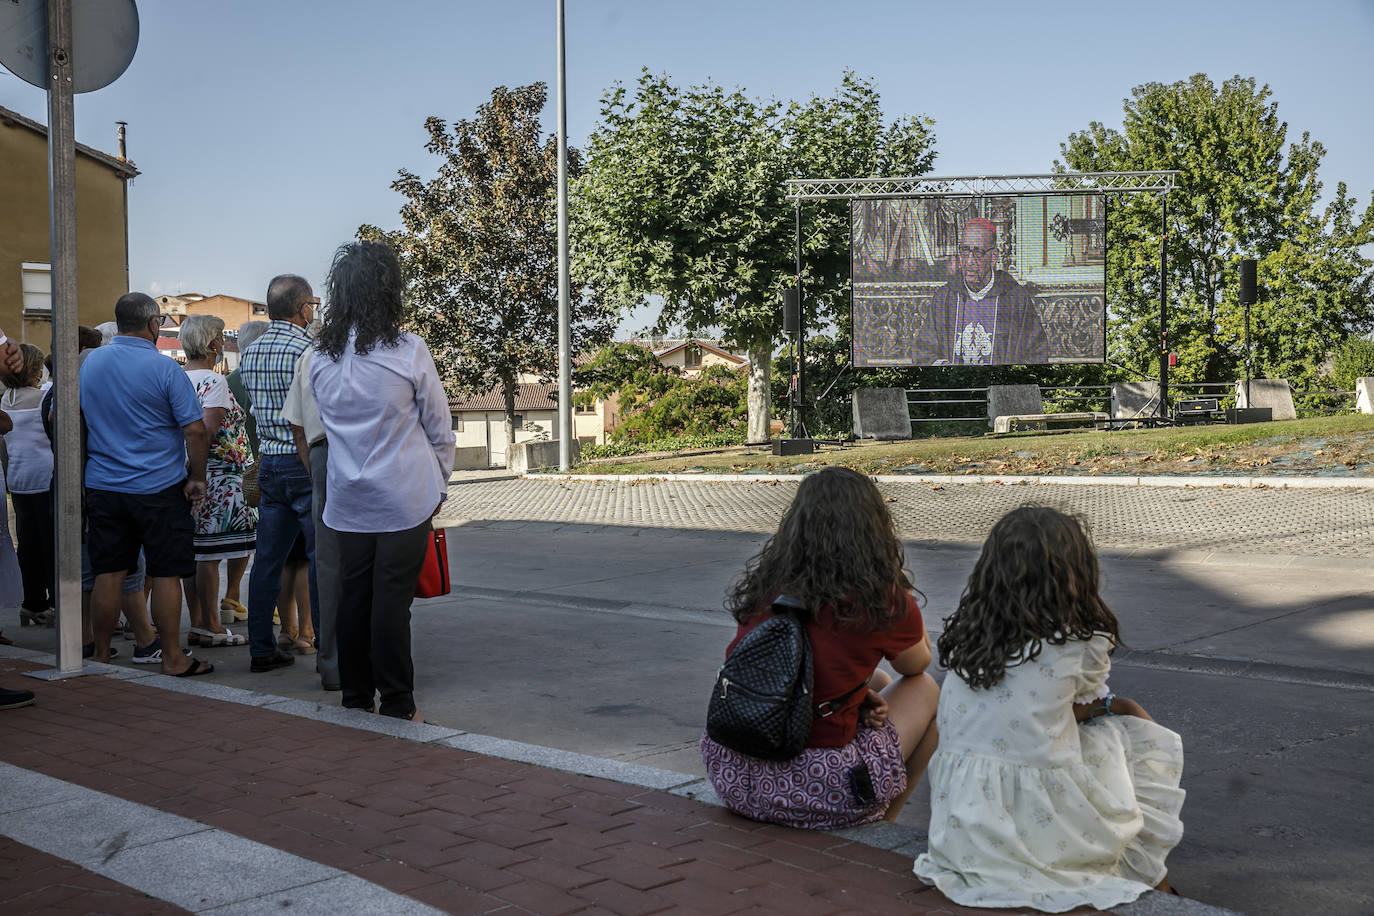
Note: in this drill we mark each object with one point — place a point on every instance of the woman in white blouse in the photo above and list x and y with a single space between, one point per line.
386 417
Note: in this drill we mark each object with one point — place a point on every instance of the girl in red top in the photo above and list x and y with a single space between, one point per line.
837 553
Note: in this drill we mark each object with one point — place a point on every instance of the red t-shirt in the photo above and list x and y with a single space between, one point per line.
841 659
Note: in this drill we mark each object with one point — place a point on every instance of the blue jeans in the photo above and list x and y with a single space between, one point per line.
283 512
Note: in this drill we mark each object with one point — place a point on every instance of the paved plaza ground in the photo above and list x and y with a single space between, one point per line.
567 676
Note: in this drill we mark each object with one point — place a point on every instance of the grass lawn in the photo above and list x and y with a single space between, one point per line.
1341 445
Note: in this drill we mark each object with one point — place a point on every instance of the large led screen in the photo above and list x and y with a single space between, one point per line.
988 281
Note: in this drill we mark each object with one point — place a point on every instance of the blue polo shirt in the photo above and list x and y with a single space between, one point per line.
135 402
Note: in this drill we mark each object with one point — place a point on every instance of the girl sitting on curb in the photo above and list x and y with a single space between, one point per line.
1047 790
837 555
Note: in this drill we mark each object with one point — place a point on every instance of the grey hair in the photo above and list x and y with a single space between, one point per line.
108 330
250 331
197 333
133 311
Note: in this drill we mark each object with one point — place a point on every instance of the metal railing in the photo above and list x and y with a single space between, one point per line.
926 405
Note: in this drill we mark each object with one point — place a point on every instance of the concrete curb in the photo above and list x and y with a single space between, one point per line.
891 837
1200 482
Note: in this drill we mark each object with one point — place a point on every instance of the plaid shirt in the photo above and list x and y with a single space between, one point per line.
266 369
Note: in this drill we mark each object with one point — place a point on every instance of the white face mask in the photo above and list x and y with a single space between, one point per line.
313 328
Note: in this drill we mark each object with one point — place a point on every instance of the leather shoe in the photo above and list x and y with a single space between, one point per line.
277 659
13 699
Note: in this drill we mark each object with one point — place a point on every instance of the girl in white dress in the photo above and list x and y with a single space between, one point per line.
1047 790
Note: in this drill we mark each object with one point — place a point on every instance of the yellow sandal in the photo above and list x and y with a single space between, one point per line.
238 610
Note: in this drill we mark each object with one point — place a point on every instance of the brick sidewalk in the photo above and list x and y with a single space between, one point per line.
451 829
31 881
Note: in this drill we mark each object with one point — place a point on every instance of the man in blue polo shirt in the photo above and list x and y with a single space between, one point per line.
143 422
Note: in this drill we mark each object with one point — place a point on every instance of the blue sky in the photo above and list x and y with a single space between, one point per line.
268 130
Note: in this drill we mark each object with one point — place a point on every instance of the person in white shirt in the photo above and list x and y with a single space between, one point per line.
29 478
386 417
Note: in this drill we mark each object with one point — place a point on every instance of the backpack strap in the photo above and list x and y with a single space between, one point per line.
829 707
785 604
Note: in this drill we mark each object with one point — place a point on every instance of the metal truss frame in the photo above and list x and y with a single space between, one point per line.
1036 185
799 189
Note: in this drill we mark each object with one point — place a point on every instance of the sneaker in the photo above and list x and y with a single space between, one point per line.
150 654
13 699
277 659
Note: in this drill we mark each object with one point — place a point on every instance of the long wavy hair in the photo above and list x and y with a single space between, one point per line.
835 546
365 293
1035 582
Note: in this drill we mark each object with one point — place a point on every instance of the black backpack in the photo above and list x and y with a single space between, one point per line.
762 705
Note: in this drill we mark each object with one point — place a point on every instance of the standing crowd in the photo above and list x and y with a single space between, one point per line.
185 468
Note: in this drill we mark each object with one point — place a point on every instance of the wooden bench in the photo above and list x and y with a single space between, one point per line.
1007 423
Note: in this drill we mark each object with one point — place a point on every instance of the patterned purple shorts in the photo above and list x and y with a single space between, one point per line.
812 789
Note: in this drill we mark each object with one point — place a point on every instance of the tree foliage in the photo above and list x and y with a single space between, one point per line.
1353 360
683 198
657 402
1241 193
480 251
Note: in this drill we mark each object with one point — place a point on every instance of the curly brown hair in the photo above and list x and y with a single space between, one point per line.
835 546
1035 582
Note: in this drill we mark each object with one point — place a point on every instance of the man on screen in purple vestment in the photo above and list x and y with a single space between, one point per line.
982 316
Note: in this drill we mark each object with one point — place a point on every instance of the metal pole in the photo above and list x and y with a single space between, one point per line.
1163 305
62 241
565 411
799 350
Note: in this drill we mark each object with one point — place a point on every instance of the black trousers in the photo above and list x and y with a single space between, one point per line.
33 526
379 572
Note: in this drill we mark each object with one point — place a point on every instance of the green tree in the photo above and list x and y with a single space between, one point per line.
657 402
480 250
683 198
1352 361
1241 193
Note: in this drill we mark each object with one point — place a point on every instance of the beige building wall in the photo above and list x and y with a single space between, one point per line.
235 312
102 253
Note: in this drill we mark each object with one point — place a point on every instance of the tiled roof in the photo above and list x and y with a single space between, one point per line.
705 345
528 396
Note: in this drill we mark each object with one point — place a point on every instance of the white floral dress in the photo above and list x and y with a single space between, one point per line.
1031 809
226 526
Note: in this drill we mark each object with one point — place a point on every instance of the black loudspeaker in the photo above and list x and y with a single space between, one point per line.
791 311
1247 281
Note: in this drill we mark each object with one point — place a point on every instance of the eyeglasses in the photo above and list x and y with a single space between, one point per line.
161 320
967 251
313 302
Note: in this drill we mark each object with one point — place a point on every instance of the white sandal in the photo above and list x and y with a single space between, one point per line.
209 639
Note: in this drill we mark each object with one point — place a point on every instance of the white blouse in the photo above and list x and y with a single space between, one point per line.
390 437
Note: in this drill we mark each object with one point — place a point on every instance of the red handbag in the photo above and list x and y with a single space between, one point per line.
433 580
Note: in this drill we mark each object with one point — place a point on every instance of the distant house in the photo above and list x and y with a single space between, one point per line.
692 354
479 423
234 311
102 232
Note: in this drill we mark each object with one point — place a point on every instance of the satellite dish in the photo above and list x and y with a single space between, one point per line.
104 38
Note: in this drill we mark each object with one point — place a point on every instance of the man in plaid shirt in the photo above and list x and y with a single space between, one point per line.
284 511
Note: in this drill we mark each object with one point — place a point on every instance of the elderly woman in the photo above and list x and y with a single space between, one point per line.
226 526
28 475
390 453
230 607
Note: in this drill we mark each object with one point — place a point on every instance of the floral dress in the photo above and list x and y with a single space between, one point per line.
226 526
1032 809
